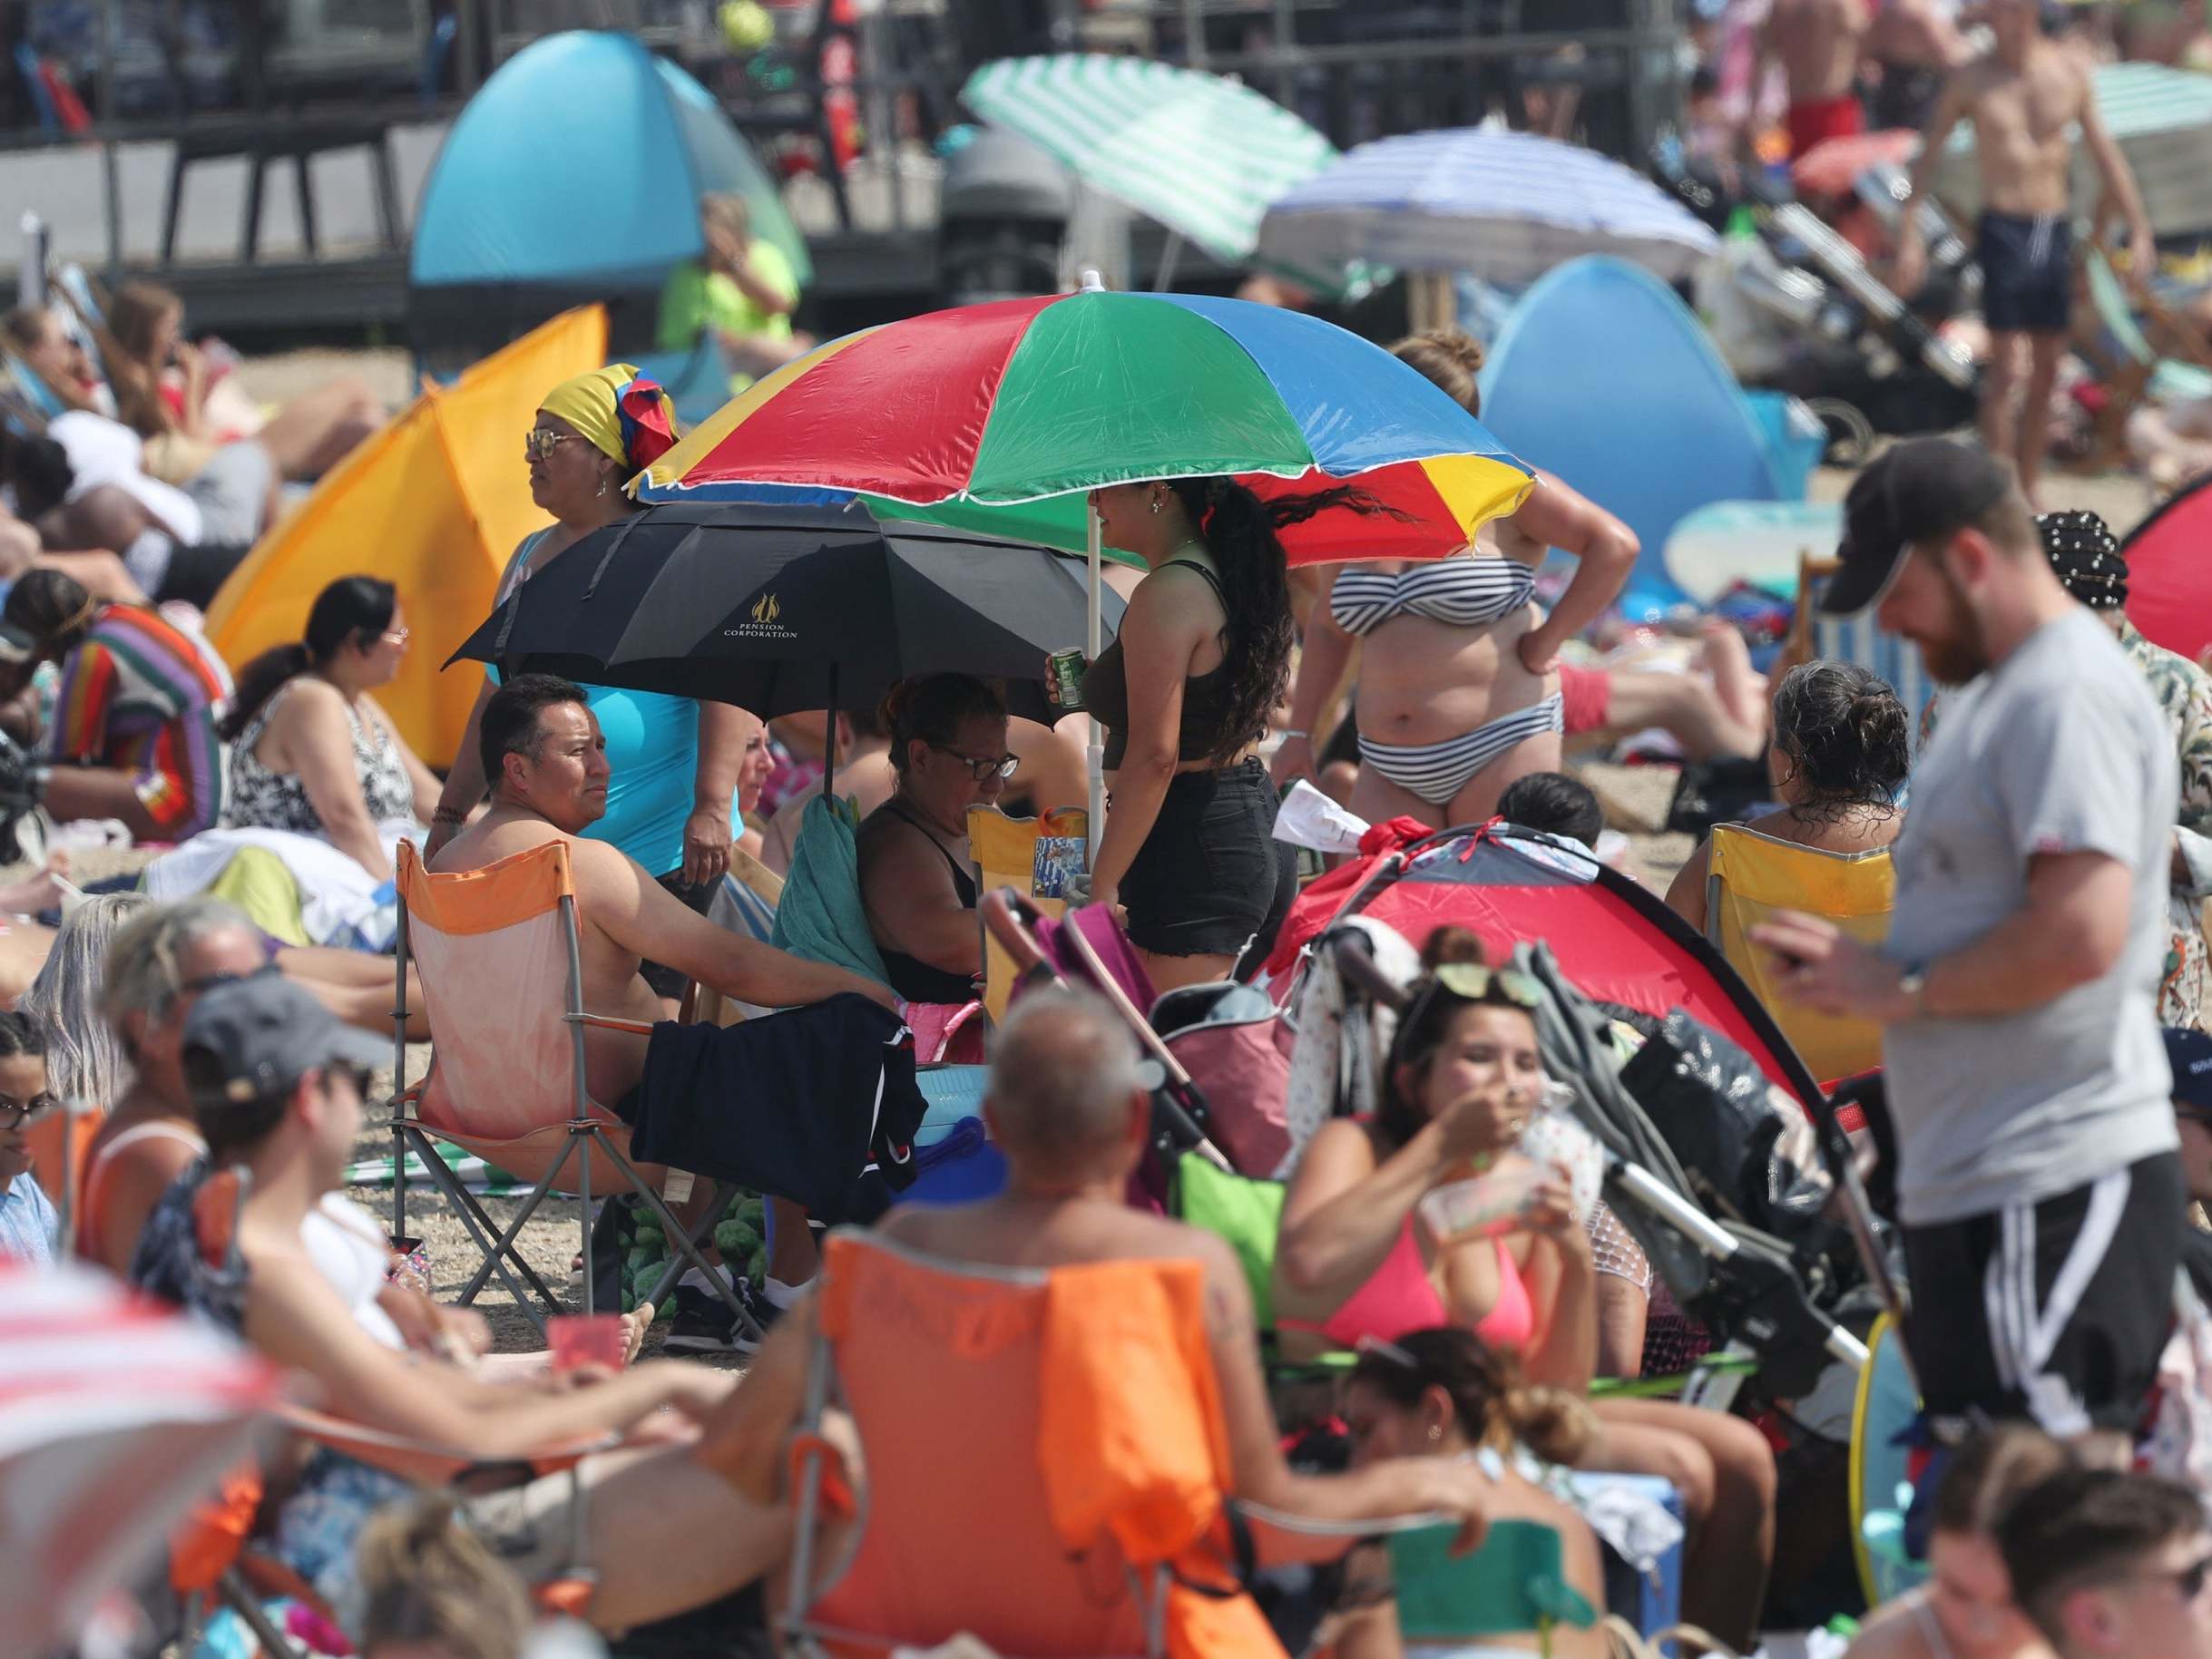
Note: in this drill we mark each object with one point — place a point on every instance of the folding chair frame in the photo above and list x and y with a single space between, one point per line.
805 1636
584 1131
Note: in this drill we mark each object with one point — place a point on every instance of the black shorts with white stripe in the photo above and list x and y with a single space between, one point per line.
2055 1311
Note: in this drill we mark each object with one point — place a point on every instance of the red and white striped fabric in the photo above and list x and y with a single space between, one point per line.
115 1417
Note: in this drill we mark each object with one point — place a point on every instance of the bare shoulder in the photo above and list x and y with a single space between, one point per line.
308 702
1341 1142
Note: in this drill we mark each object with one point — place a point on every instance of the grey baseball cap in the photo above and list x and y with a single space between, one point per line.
260 1035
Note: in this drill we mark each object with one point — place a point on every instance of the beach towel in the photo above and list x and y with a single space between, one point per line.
820 916
1133 1443
339 903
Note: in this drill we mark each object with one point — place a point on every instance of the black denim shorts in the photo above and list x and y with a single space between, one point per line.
1210 879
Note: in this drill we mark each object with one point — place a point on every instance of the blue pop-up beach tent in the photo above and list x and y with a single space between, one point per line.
574 176
1603 376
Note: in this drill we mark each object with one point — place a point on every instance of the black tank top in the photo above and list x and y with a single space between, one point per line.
914 979
1206 697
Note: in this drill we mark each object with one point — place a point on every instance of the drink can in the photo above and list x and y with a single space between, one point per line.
1067 671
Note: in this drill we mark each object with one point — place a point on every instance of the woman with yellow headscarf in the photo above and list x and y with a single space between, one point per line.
671 800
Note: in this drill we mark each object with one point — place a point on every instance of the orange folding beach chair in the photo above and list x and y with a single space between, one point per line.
502 971
1044 1465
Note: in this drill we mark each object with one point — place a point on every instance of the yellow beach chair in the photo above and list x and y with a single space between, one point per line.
1748 877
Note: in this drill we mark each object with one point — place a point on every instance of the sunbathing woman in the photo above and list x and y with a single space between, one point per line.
1354 1261
276 1085
1458 679
948 753
1185 692
168 391
311 752
1842 748
1443 1393
1965 1609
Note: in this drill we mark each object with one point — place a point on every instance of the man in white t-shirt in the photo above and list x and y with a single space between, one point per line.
2038 1178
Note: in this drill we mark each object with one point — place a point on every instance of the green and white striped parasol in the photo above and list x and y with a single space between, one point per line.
1204 155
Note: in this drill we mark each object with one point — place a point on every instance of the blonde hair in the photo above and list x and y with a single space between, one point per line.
1450 359
427 1582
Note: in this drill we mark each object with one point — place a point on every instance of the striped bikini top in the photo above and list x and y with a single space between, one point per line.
1466 592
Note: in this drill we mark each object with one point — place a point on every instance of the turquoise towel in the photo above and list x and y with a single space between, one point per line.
820 916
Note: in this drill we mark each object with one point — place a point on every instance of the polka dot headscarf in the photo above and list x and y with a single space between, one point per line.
2086 554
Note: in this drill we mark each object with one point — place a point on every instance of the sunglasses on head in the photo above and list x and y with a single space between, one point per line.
1473 982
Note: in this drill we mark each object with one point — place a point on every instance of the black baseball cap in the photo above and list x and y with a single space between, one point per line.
253 1038
2190 1053
1921 490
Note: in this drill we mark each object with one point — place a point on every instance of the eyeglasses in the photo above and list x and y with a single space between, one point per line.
1473 982
15 1113
398 636
982 769
540 442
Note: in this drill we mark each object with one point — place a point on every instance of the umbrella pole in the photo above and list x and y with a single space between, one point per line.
1095 752
1168 255
830 737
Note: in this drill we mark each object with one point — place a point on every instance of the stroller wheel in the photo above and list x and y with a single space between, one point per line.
1851 436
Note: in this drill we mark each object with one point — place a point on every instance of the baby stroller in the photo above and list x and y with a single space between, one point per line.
1722 1156
1229 1035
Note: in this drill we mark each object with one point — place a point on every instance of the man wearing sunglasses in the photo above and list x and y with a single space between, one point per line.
2113 1566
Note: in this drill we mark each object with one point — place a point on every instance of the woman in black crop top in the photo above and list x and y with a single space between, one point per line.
948 750
1184 692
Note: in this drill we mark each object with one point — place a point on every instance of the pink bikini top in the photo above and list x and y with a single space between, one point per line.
1400 1297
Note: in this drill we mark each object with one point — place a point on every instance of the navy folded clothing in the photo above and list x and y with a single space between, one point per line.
795 1103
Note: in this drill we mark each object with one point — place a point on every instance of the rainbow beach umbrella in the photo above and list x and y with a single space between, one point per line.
997 418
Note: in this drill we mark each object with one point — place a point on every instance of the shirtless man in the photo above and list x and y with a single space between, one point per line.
544 751
1816 41
2024 98
1917 44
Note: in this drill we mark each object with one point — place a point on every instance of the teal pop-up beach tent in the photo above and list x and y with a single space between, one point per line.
574 176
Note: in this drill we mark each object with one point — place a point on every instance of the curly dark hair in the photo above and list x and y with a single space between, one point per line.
1846 734
1241 531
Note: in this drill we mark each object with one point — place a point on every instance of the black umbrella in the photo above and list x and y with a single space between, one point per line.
786 610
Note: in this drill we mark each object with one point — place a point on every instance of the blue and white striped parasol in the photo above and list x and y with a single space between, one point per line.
1505 206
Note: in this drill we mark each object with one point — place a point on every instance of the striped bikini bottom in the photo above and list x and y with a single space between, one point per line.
1436 772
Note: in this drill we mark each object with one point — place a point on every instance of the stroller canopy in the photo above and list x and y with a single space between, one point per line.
1612 940
574 175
